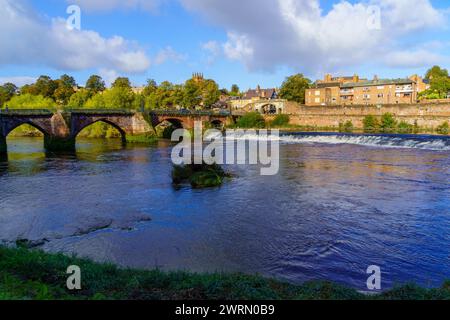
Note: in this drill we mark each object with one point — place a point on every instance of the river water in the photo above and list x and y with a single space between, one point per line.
339 204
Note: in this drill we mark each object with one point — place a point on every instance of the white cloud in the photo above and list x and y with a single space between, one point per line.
18 81
168 54
28 40
265 34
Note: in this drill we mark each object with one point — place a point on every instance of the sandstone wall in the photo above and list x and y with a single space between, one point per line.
426 115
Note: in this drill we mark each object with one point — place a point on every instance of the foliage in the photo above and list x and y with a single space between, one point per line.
346 127
79 99
443 128
371 124
7 91
121 82
251 120
439 83
199 176
281 120
30 274
294 87
388 123
235 91
95 84
200 93
29 101
404 127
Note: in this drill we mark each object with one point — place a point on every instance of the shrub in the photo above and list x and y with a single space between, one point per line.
251 120
371 124
443 128
388 122
404 127
346 127
281 120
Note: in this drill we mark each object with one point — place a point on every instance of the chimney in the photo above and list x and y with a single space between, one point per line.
355 78
328 77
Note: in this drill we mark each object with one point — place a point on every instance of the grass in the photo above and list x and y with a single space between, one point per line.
32 274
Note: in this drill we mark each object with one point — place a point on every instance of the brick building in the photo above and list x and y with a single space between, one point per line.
356 91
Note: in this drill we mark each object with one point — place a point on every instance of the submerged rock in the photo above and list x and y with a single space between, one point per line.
199 175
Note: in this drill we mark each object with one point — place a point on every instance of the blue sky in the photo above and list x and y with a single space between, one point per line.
247 42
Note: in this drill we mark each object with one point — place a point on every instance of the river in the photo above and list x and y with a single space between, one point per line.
339 204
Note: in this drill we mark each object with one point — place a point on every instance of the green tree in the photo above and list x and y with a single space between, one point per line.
150 88
436 72
192 94
95 84
235 91
388 123
45 86
294 87
29 101
444 128
210 93
439 83
371 124
79 99
118 98
65 89
251 120
7 91
122 82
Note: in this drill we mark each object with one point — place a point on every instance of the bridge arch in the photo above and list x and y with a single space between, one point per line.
175 122
217 124
19 124
269 108
103 120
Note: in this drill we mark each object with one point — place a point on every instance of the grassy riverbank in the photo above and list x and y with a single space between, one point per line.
31 274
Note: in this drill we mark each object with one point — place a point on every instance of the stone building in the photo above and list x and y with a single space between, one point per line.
356 91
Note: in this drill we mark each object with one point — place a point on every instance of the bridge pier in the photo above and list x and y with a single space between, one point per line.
3 147
58 144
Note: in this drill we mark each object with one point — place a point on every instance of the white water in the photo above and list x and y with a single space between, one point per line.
435 143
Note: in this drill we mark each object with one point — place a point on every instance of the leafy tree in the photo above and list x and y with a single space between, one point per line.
95 84
122 82
192 94
405 127
436 72
96 102
7 91
235 91
45 86
210 93
388 122
371 124
29 101
294 87
281 120
251 120
439 83
118 97
346 127
65 89
79 99
150 88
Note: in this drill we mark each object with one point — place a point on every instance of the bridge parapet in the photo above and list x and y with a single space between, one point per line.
26 112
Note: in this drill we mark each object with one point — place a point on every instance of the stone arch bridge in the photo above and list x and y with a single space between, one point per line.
274 106
60 129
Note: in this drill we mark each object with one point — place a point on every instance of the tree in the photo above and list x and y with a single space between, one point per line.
294 87
45 86
79 99
150 88
95 84
371 124
122 82
210 93
192 94
439 83
235 91
29 101
436 72
388 122
7 91
65 89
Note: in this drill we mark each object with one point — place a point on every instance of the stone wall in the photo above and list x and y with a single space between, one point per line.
426 115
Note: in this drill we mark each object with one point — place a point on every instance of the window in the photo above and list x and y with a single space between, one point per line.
317 93
317 100
380 95
380 87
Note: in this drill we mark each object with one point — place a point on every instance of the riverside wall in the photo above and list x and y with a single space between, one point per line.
425 115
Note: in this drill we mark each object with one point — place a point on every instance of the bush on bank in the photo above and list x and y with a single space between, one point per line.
251 120
443 128
281 120
31 274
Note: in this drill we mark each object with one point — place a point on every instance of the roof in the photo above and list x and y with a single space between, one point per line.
255 93
380 82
